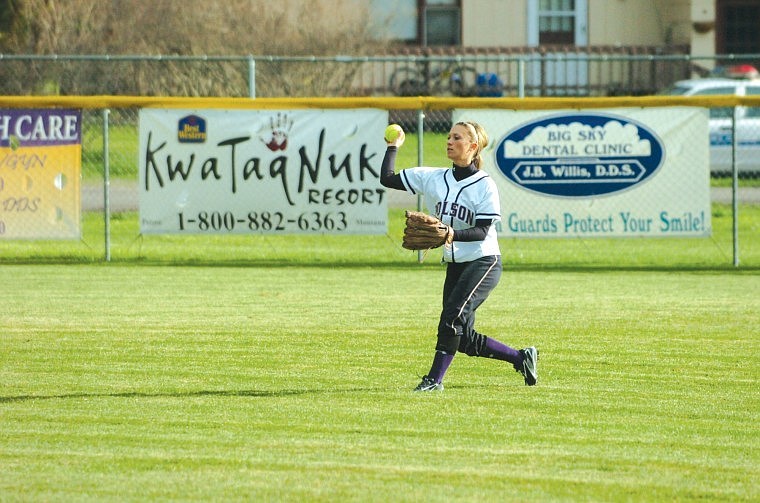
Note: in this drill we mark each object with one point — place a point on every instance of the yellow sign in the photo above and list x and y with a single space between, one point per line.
40 170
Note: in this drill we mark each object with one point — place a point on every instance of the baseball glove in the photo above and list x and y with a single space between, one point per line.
423 232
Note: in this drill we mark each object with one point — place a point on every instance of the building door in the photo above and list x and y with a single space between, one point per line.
557 23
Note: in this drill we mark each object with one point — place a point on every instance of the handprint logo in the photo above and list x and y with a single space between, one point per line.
279 128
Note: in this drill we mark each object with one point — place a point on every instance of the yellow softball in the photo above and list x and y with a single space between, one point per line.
392 132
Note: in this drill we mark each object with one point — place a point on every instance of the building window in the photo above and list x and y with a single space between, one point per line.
556 22
738 21
440 22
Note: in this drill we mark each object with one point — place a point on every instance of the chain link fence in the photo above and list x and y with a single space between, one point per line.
420 71
110 197
528 71
599 72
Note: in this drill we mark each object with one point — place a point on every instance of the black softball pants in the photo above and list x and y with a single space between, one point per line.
466 286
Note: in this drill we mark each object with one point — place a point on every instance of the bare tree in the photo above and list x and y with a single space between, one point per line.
171 27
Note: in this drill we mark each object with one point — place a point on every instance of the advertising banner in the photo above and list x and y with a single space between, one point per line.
40 170
262 171
599 173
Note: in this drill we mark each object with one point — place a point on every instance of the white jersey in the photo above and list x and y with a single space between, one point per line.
458 204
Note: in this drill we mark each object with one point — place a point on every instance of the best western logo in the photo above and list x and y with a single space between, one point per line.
191 129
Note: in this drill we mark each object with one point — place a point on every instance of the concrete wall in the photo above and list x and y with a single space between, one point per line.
493 23
638 22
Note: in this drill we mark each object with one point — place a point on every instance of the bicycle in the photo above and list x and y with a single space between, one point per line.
424 80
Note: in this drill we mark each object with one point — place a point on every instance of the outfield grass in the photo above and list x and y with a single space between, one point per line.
279 368
292 383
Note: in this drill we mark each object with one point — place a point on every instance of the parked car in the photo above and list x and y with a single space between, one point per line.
747 122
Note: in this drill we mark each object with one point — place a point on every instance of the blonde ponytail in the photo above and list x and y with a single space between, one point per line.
477 135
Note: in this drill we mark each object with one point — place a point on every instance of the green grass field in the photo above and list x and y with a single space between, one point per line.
280 368
276 378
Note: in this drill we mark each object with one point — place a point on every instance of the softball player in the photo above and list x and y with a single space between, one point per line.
466 199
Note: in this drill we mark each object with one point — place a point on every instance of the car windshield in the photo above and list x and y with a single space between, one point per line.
676 91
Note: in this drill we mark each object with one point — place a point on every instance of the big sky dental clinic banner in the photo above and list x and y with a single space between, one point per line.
599 173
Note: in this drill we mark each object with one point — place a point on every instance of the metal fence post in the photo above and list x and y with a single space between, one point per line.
420 162
734 189
106 186
251 76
